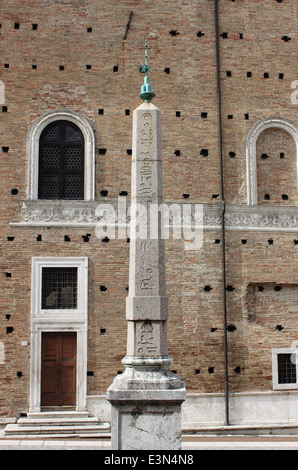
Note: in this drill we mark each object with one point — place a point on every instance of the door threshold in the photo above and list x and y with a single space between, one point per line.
57 408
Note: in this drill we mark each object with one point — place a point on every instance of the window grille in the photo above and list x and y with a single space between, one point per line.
61 162
286 368
59 288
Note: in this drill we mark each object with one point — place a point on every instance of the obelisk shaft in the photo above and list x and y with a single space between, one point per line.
147 304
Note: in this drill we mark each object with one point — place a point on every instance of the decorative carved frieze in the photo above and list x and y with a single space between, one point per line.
261 218
85 213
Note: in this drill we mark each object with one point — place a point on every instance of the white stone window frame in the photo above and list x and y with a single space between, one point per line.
251 145
275 353
64 320
89 150
81 263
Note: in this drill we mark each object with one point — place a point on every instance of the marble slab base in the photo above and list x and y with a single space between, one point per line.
146 419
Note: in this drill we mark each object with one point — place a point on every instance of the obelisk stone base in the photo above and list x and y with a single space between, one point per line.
146 419
146 405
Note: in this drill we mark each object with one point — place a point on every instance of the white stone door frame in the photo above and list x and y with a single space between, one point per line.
57 321
77 327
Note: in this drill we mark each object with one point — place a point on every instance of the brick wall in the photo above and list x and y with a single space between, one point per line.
72 55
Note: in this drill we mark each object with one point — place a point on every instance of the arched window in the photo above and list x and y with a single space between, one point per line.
61 157
276 168
251 154
61 162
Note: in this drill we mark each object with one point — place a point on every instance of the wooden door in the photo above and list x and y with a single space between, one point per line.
58 371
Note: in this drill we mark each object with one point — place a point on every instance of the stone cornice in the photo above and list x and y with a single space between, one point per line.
271 218
237 217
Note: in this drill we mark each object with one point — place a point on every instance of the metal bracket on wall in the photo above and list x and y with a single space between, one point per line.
127 26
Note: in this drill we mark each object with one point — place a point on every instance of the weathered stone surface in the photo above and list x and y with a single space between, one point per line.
147 133
147 426
147 308
147 338
146 178
145 374
147 252
147 274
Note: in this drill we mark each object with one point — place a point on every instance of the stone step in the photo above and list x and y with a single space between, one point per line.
57 436
62 429
240 430
57 424
57 421
58 414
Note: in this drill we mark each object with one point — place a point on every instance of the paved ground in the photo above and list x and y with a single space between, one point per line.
189 443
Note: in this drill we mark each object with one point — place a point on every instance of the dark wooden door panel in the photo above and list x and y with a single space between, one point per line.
58 381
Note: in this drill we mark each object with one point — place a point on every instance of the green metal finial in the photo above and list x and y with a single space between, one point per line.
146 91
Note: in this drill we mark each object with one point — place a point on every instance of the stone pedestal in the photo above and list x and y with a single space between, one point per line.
148 422
146 406
146 399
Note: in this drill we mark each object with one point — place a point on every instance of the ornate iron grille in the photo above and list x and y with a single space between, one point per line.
59 288
61 162
286 368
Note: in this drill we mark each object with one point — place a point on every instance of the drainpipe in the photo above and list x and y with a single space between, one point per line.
223 238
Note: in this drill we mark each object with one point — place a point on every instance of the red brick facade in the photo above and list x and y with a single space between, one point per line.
72 55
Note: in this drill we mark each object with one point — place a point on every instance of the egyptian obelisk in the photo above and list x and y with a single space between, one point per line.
146 399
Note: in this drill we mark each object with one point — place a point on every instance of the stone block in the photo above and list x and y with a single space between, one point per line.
147 338
147 270
147 308
146 178
151 426
146 133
